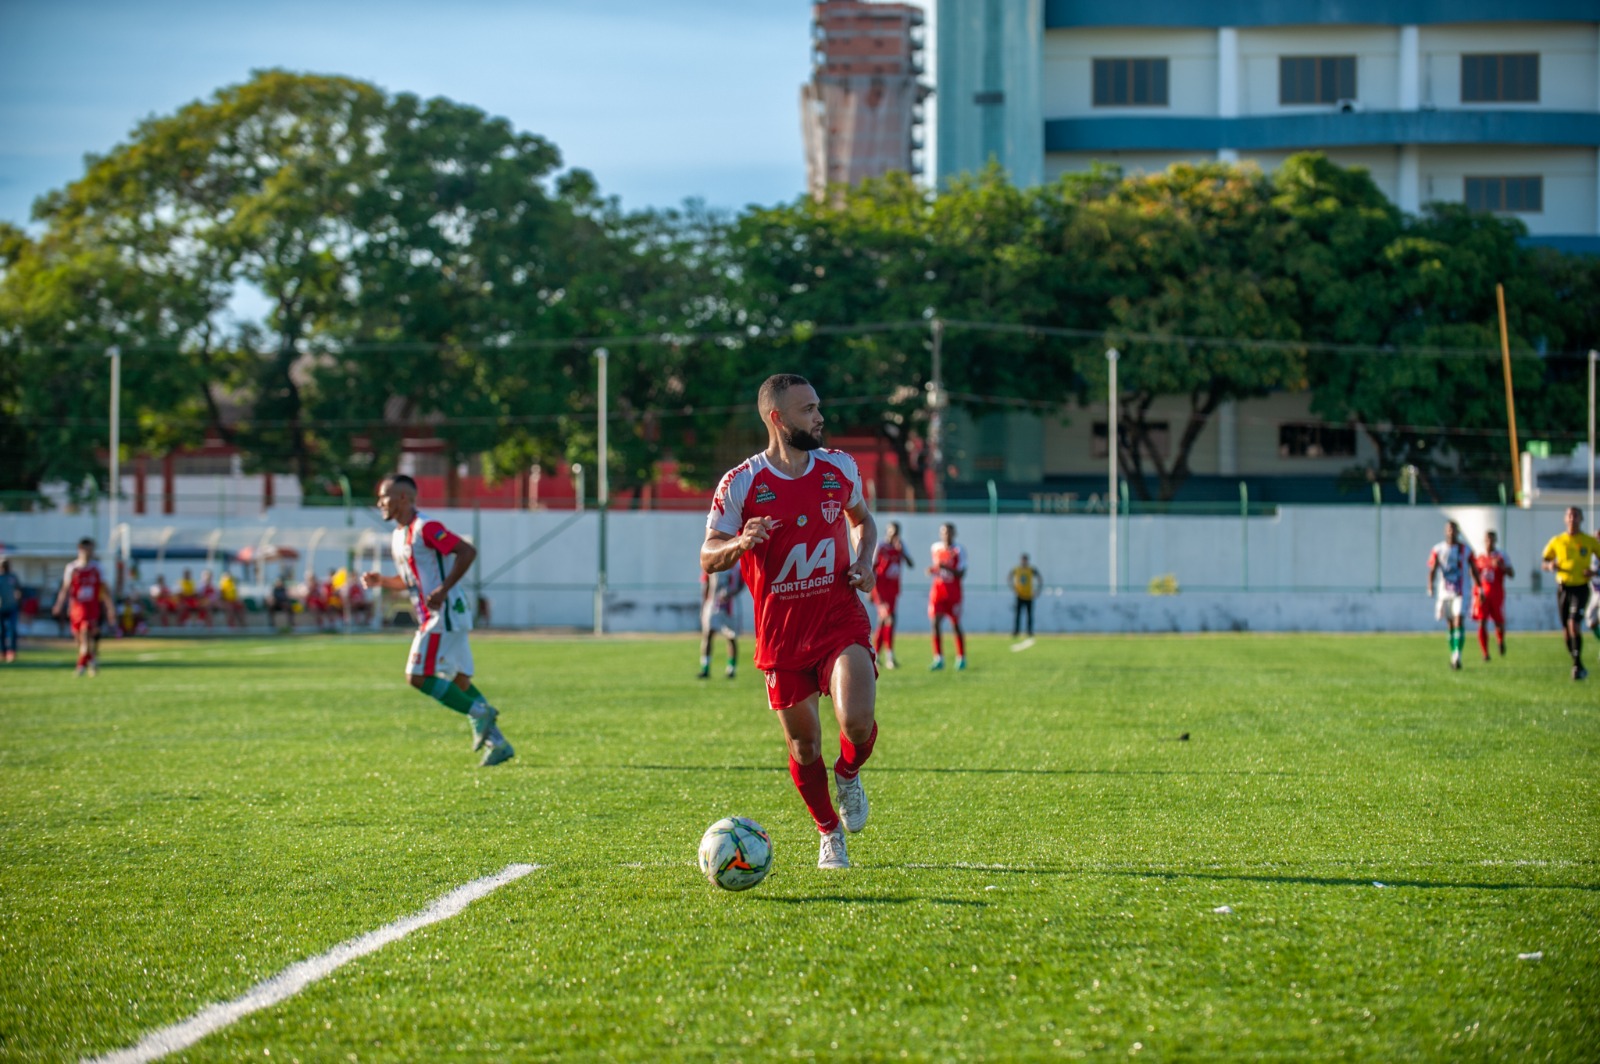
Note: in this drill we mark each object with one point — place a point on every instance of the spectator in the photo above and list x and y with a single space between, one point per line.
232 604
360 607
188 599
280 601
311 597
10 607
166 603
208 598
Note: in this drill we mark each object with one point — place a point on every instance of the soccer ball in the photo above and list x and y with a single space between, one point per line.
735 853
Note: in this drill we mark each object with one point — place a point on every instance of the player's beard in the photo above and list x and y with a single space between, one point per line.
800 439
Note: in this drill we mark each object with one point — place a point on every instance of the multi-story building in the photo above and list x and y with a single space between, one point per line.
1453 101
861 112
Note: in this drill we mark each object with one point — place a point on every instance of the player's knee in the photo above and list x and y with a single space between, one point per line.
804 751
416 681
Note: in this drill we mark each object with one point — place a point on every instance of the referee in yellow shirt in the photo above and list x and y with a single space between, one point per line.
1025 585
1570 556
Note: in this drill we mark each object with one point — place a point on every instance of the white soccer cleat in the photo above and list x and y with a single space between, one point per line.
852 803
482 715
888 658
499 749
833 853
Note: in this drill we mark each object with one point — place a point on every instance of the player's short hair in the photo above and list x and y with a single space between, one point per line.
893 526
948 525
403 481
772 390
86 541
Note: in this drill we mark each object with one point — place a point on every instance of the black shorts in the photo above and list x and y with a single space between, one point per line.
1571 601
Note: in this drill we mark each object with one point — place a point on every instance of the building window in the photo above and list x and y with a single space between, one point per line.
1494 78
1160 438
1130 83
1316 79
1506 195
1315 440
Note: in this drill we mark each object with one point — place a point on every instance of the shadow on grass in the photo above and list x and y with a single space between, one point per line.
121 665
1246 877
846 899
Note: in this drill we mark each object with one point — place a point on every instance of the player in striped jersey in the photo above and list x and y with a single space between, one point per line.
420 546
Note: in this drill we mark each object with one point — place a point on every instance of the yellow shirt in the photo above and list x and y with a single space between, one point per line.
1024 581
1572 555
186 587
227 588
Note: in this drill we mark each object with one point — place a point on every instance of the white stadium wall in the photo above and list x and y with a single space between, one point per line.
1309 568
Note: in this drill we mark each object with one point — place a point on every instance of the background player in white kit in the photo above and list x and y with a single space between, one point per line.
1451 562
719 612
420 546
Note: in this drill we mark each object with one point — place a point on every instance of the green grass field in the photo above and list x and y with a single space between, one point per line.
1039 880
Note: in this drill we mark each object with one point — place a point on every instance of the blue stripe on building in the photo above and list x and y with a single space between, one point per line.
1069 14
1323 130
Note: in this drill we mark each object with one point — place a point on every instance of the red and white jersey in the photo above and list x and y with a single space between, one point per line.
1491 566
803 599
83 582
420 550
949 563
887 561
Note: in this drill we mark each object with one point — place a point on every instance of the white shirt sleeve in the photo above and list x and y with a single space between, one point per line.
847 466
727 506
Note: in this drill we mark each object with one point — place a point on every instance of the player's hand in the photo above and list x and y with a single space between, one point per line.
436 598
371 579
756 530
861 576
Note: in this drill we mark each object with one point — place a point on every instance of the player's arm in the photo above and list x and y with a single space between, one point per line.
1433 567
1505 567
373 578
961 560
61 596
462 555
1549 562
860 574
722 550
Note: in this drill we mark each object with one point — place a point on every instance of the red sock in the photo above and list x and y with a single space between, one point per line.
938 644
83 661
853 755
888 640
1483 639
878 640
961 645
812 782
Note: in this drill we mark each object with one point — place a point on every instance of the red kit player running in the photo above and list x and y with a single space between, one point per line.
886 563
88 601
784 516
944 597
1489 597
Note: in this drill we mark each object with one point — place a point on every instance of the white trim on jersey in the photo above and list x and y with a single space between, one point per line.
727 506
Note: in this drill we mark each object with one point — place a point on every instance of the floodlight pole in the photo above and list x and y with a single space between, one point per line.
115 354
1594 356
1112 440
603 496
936 405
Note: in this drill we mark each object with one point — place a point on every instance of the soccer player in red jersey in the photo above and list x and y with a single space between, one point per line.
944 597
88 602
1489 596
785 517
886 563
420 546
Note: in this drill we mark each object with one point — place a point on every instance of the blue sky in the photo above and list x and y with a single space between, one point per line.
661 101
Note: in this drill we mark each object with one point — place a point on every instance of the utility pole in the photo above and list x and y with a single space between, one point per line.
603 498
115 354
937 401
1113 441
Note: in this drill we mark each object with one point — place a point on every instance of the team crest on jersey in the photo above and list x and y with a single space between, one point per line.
831 510
765 494
830 482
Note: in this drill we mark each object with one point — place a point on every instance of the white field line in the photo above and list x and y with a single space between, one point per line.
295 978
1024 645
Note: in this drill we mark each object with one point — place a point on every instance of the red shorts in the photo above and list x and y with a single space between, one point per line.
941 607
84 615
1488 609
886 593
790 687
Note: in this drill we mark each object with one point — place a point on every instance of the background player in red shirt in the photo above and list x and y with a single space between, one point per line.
784 516
1489 596
944 597
84 588
886 563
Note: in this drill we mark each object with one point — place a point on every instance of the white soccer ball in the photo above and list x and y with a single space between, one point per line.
735 853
